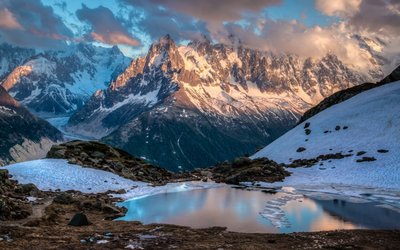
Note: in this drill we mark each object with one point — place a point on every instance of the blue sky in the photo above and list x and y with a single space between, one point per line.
301 10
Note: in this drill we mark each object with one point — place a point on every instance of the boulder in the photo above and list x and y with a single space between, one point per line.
79 220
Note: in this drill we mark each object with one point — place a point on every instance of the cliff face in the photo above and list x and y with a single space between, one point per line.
22 136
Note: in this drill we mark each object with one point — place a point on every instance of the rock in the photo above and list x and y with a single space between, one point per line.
79 220
104 157
247 170
97 154
240 162
337 128
29 189
306 125
366 158
307 131
64 198
110 209
361 153
310 162
300 149
382 151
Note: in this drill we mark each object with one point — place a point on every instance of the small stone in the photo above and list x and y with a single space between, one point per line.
382 151
300 149
366 159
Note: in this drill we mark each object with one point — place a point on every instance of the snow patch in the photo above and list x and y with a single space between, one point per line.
53 174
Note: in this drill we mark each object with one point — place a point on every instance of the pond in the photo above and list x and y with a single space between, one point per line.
251 211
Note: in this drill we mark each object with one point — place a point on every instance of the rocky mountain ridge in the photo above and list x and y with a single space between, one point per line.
345 94
58 82
195 105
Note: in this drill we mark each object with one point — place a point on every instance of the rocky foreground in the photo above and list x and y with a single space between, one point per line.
72 220
34 219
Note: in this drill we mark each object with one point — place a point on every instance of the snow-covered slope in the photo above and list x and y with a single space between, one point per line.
51 174
366 125
195 105
59 82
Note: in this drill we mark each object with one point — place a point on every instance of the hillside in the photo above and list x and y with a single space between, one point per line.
354 142
22 135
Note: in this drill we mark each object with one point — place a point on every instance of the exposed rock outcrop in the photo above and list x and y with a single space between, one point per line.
23 136
104 157
246 170
101 156
13 203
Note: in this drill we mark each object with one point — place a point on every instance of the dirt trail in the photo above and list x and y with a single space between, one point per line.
38 211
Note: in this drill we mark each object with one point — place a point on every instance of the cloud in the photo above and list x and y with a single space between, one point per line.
212 10
156 22
31 24
190 19
338 7
105 27
8 21
379 16
296 38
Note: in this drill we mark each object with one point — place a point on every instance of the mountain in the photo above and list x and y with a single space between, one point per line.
12 57
22 135
59 82
191 106
345 94
353 142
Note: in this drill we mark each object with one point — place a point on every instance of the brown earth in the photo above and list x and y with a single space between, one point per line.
45 226
48 229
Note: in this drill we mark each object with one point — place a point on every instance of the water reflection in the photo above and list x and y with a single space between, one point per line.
239 210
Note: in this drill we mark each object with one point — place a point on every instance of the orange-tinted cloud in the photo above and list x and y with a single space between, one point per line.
105 27
31 24
114 38
8 21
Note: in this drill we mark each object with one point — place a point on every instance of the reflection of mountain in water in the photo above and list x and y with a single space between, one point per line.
369 214
241 211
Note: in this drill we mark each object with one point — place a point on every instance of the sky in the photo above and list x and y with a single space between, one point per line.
309 28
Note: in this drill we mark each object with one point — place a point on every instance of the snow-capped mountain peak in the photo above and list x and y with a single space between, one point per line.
59 82
186 95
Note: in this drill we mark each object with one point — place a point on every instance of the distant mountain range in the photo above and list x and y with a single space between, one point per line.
191 106
179 106
58 82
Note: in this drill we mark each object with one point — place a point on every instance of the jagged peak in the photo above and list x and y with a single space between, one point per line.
165 41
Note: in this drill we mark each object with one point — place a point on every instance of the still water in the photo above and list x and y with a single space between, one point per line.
258 212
